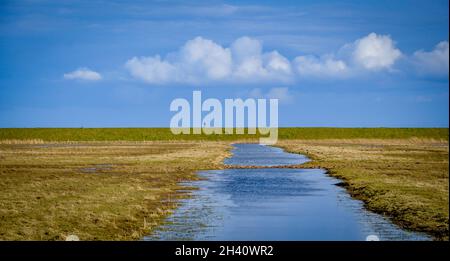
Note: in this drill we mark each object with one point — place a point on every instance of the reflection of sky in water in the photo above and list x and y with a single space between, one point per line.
260 155
273 204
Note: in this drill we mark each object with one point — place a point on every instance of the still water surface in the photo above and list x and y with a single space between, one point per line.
273 204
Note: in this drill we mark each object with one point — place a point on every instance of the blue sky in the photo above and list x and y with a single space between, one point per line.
121 63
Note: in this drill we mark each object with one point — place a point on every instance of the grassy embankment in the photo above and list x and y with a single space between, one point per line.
162 134
102 184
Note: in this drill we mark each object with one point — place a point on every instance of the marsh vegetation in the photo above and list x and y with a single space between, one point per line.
119 184
97 191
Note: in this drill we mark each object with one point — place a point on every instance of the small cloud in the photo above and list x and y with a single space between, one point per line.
205 59
250 64
150 69
435 62
318 67
281 93
83 74
375 52
277 64
255 93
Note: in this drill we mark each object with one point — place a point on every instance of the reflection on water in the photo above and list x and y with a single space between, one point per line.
273 204
260 155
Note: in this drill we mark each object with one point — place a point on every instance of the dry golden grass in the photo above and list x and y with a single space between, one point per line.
405 179
30 141
96 190
121 190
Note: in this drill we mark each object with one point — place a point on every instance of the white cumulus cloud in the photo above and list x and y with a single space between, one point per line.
151 69
309 65
251 64
375 52
277 64
201 60
203 57
83 74
434 62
